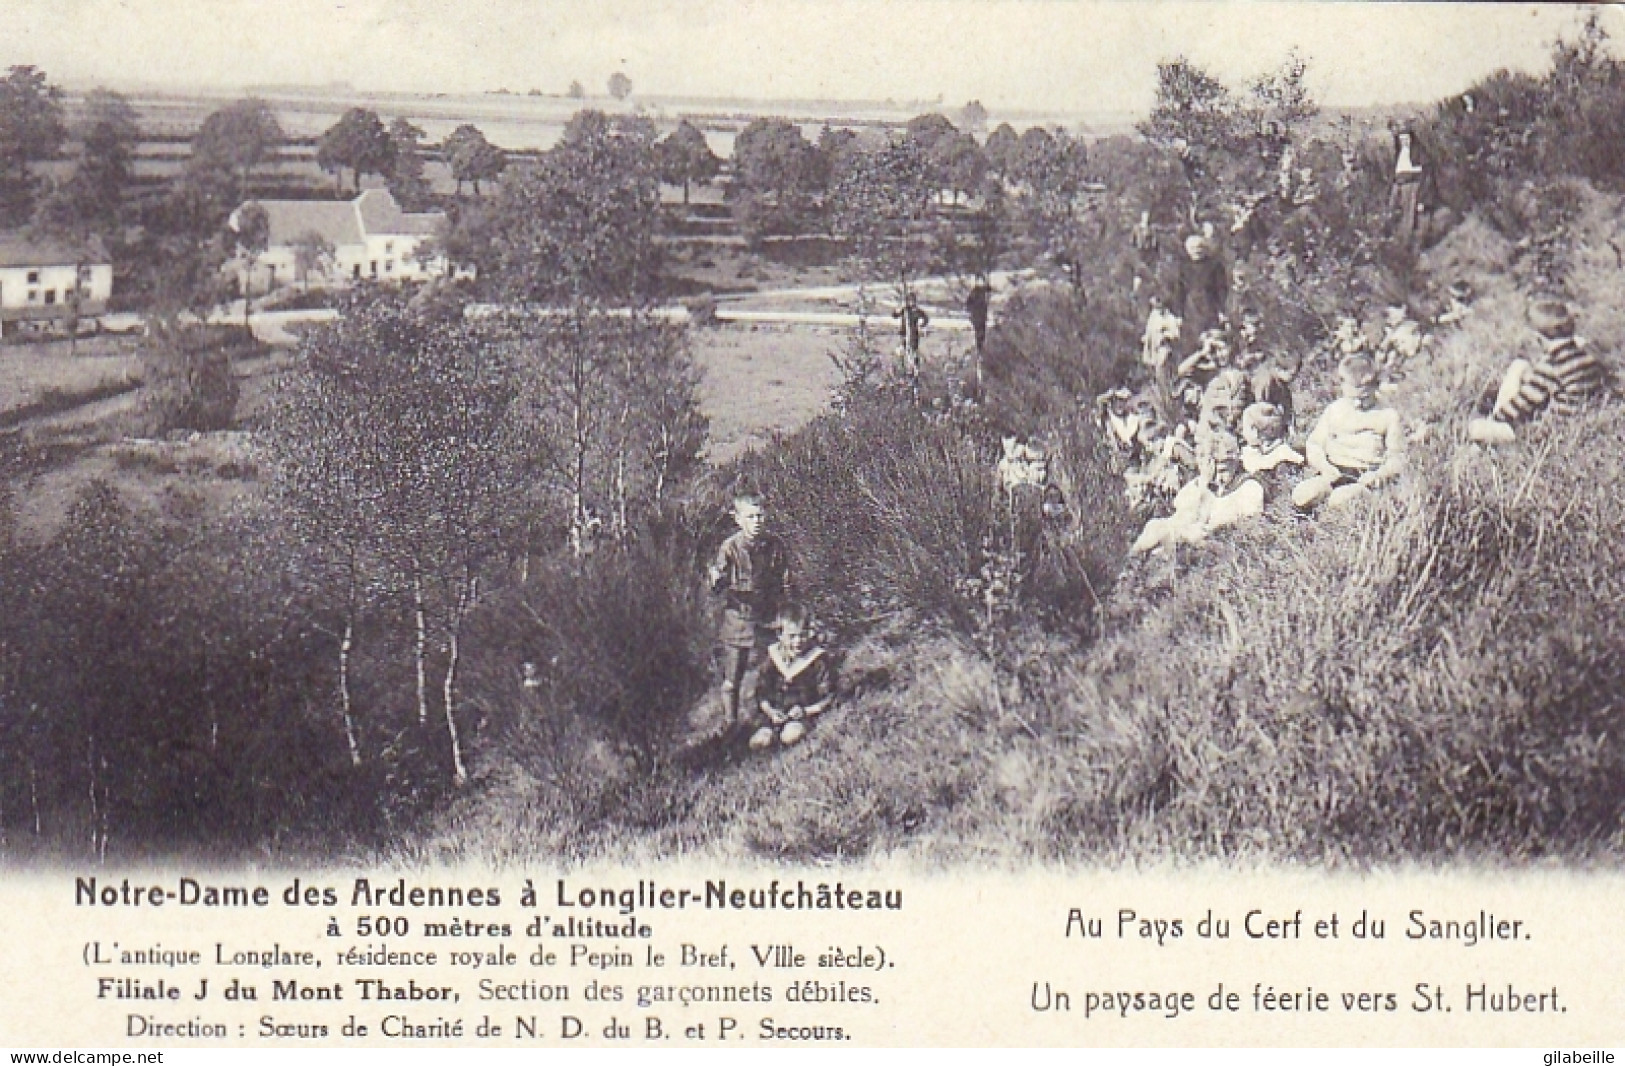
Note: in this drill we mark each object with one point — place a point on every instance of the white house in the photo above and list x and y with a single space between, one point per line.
370 238
43 281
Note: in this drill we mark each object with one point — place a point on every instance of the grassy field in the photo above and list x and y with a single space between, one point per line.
35 377
761 381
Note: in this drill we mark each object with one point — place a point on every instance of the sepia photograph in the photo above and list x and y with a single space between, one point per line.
984 434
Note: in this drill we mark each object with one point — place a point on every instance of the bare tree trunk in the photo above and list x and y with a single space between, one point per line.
422 640
465 600
95 806
623 525
344 691
101 847
346 644
578 482
33 798
661 456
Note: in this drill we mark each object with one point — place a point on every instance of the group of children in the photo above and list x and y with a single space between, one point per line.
1228 446
1203 447
1211 439
765 632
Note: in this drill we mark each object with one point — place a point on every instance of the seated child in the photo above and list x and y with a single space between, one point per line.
1218 496
1200 367
1023 465
1356 445
1402 341
1460 304
1271 383
1348 338
1564 377
1263 435
1161 335
1160 473
796 684
1119 424
1224 399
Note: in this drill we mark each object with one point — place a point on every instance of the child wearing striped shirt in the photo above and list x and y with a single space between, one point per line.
1564 377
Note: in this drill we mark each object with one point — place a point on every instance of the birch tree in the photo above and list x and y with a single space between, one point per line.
397 439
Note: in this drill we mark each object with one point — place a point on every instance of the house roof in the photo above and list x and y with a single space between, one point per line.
372 214
291 219
19 250
380 214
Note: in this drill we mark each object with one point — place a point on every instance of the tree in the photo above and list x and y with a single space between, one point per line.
1035 150
776 174
613 404
974 117
1193 115
31 131
580 223
620 86
406 180
1001 150
109 133
311 252
882 205
927 130
234 140
576 91
959 164
357 141
472 158
85 210
1279 104
398 441
1059 201
685 158
835 149
250 235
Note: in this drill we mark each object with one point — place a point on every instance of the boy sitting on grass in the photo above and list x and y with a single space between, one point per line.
796 684
1160 473
1196 370
1566 375
1356 446
1264 440
1219 495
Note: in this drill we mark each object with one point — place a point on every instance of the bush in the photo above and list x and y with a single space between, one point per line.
191 382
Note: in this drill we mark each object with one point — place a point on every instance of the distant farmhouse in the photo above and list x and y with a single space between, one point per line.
44 283
330 243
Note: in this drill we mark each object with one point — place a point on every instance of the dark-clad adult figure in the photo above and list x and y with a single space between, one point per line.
1410 165
976 305
1201 291
976 308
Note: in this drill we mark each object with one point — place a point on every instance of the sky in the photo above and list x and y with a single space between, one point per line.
1073 55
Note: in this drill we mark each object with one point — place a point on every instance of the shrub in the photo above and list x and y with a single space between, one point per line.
191 382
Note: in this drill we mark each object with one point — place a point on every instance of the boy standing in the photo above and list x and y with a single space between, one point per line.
911 323
1356 445
976 307
751 572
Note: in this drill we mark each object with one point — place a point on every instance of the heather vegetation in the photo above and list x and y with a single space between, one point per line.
464 615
